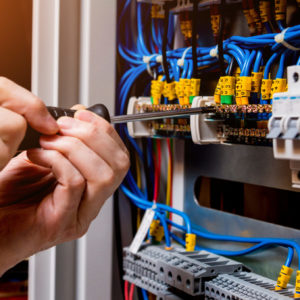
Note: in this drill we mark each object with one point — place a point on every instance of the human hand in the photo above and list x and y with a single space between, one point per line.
53 197
17 106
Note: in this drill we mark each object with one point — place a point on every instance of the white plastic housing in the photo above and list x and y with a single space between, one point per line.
204 130
138 129
285 123
286 112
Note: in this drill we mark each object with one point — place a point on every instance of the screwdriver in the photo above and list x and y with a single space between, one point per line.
31 139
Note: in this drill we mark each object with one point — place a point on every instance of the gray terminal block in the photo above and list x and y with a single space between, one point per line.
244 286
183 271
140 269
188 271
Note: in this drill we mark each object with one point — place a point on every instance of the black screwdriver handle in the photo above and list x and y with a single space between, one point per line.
98 109
31 139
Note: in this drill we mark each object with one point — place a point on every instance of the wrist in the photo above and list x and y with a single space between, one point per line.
17 242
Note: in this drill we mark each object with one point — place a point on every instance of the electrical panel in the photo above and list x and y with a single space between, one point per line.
237 63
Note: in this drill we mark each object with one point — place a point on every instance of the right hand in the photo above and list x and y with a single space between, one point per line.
17 107
51 195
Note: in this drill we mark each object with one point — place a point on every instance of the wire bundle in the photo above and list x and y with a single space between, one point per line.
145 59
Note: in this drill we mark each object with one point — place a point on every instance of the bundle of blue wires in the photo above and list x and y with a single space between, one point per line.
248 52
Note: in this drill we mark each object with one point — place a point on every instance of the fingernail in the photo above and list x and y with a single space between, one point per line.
65 122
52 123
84 115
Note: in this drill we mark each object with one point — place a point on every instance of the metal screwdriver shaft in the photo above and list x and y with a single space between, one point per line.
31 139
148 116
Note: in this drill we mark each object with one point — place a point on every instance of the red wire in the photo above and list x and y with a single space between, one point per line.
131 292
157 163
126 290
171 178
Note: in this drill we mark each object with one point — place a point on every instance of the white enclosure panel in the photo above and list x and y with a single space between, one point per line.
45 50
42 275
55 64
97 84
178 179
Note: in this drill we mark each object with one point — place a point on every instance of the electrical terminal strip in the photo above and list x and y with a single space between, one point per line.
183 271
244 124
140 270
202 128
284 126
153 286
245 286
188 271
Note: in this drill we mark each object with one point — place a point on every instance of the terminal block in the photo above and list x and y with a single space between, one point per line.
188 271
230 124
140 269
245 286
202 128
173 272
284 126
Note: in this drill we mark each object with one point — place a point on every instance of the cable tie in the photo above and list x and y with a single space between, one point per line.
214 52
159 59
279 39
147 60
181 61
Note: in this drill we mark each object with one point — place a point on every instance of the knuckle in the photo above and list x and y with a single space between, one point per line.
81 231
124 162
108 178
107 128
75 232
77 182
92 131
20 124
36 103
55 155
71 144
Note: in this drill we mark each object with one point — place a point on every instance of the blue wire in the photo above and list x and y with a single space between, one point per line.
290 257
280 71
258 61
237 47
160 206
145 296
166 230
280 25
267 241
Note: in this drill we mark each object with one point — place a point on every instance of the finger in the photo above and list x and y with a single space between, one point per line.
94 169
12 131
102 181
21 101
78 107
87 116
98 138
71 184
